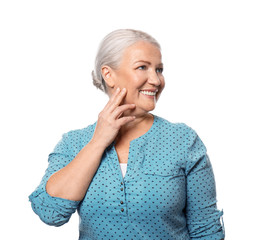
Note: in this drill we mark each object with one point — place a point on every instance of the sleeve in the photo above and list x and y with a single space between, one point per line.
53 210
203 217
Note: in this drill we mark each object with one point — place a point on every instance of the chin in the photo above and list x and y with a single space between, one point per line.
145 110
150 108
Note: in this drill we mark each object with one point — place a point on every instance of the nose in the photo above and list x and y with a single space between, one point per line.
154 79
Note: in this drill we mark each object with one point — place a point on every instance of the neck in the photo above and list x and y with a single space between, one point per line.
135 128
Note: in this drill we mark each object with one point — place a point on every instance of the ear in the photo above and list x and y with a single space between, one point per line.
107 73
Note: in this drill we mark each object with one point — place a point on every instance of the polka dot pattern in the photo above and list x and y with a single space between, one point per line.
168 191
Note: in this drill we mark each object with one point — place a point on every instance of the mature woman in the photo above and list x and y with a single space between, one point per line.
131 174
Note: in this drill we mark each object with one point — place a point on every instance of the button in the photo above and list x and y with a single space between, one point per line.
122 209
121 202
121 189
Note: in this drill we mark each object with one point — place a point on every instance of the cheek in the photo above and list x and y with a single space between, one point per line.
134 84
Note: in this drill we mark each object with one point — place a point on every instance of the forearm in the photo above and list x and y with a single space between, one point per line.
72 181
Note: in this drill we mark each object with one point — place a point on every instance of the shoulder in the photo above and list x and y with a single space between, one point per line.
176 130
178 127
83 132
78 138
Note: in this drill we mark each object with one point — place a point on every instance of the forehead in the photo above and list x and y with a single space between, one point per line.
142 51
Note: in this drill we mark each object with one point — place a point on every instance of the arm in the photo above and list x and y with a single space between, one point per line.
68 177
56 209
72 181
203 218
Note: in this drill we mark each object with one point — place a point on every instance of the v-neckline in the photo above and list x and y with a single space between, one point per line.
133 152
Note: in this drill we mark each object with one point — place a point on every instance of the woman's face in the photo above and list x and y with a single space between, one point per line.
140 72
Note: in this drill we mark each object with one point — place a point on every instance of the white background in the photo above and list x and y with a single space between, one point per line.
47 54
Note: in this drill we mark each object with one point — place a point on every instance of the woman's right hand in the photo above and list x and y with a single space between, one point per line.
110 120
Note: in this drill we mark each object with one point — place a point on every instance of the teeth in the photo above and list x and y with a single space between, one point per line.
148 93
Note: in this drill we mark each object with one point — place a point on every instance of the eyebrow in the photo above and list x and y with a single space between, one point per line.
160 64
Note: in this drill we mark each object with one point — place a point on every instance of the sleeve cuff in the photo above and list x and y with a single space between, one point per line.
52 210
213 230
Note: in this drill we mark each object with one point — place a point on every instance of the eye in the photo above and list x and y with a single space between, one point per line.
142 67
159 70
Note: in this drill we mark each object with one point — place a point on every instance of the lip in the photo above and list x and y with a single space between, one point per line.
150 90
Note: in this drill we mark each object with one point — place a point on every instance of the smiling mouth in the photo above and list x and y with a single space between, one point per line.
148 93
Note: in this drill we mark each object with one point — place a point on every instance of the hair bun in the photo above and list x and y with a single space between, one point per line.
97 82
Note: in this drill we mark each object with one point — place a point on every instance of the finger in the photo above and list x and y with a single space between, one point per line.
112 98
117 100
124 120
119 110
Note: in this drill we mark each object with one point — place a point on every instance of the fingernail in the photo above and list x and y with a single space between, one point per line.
124 89
117 89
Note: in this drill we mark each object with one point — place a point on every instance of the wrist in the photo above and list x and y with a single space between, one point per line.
97 145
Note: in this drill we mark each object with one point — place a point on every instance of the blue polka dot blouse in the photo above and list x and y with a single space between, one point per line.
168 191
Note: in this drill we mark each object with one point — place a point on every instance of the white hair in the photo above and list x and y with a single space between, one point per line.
111 49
